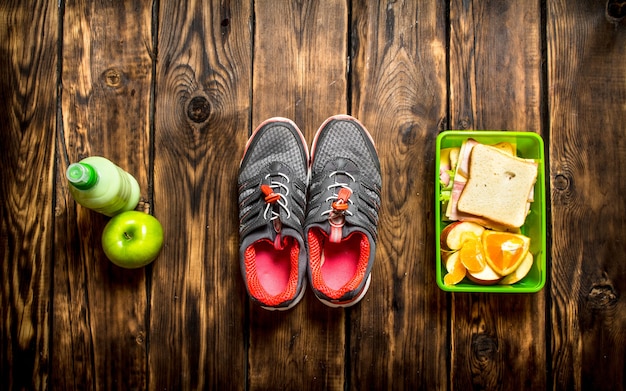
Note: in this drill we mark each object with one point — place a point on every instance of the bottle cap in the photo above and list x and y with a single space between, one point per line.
81 175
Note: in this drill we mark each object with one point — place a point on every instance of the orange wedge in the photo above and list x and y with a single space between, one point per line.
504 251
471 253
456 276
456 270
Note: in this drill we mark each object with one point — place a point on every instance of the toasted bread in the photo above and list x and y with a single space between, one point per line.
498 186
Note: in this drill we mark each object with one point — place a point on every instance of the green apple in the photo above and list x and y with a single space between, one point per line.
132 239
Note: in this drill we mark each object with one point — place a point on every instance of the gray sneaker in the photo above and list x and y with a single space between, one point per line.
273 180
342 215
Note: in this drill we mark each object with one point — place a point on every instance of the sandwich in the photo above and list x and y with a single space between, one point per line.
490 186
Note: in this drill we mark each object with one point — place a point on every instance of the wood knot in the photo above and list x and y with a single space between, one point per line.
112 77
602 296
484 347
408 135
561 182
198 109
615 10
464 124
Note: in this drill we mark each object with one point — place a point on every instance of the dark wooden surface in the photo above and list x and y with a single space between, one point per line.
170 90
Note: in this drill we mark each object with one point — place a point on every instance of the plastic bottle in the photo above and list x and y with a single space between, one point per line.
98 184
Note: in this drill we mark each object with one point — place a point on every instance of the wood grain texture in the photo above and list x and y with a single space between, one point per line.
300 61
587 95
498 341
197 316
100 310
495 65
171 90
300 64
399 93
28 35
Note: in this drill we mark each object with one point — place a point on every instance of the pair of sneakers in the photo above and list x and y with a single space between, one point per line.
308 218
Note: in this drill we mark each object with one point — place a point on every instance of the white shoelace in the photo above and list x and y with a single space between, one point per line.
278 198
339 207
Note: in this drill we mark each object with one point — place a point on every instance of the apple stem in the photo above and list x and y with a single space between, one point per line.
127 236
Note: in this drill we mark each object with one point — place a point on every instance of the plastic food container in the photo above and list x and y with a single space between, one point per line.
529 146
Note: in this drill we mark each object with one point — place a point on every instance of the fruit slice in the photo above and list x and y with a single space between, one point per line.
456 270
506 147
521 271
504 251
451 236
485 277
454 156
471 252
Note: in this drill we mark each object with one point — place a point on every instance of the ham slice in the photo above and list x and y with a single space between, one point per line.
444 177
460 178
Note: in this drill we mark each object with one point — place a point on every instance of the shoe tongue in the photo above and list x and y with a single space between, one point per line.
278 233
335 234
286 237
279 239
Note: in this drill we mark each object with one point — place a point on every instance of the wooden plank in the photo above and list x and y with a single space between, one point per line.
399 332
197 318
498 341
300 59
100 311
587 91
495 65
28 80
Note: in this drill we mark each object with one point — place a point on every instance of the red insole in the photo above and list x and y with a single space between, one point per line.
273 267
340 261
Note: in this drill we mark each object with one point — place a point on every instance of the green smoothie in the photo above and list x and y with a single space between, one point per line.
98 184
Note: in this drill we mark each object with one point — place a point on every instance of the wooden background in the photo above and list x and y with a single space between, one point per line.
170 91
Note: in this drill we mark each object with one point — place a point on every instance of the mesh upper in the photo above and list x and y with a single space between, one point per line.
280 144
275 148
345 139
344 145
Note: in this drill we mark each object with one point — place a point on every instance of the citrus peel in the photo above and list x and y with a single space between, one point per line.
504 251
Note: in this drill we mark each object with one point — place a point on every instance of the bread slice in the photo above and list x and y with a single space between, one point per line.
498 186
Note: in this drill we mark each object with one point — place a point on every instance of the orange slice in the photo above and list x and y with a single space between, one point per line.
472 254
504 251
456 270
457 275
